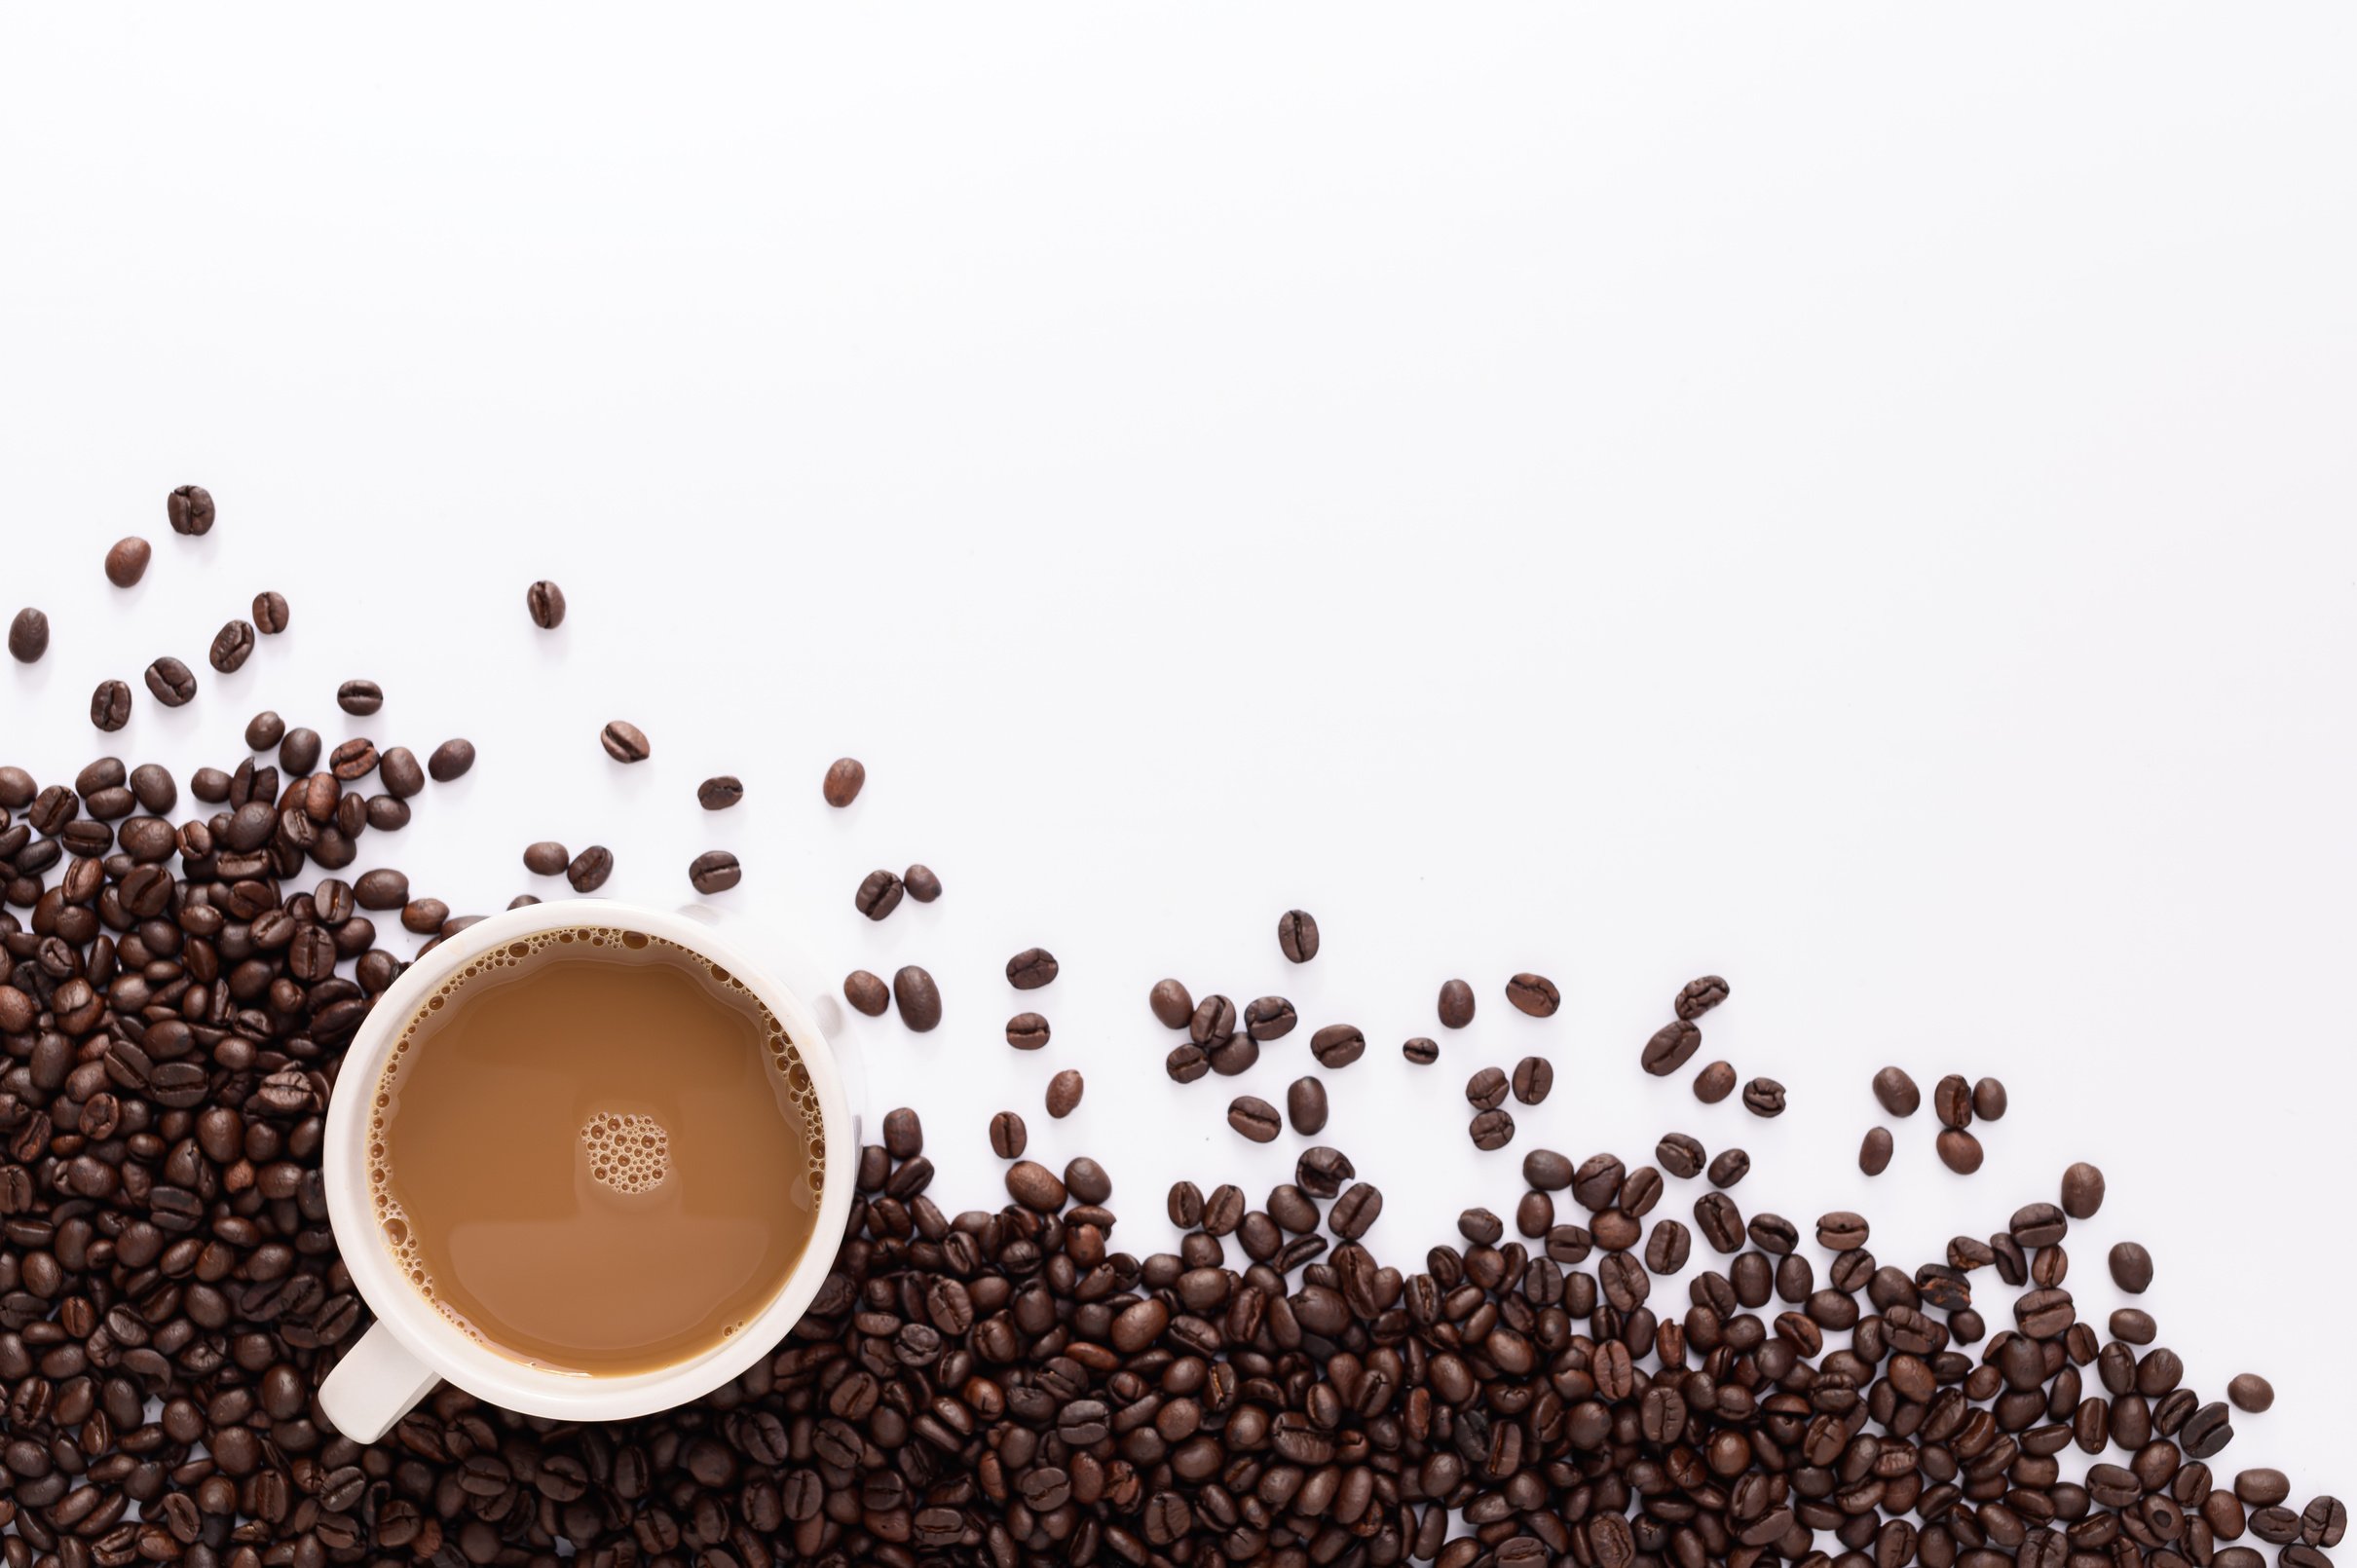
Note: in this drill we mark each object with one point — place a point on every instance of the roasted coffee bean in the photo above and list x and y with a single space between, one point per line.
1535 1215
878 895
1874 1152
170 682
1988 1101
153 787
1338 1045
1420 1051
2323 1522
1896 1091
269 614
1171 1004
1719 1222
424 915
1035 1187
1959 1151
720 792
1355 1213
866 992
1321 1170
450 761
28 636
1456 1004
2251 1393
624 742
2083 1191
1270 1018
1486 1090
587 871
1008 1136
920 883
1212 1023
353 758
1534 994
380 889
2131 1267
1672 1047
1952 1100
231 645
110 706
1305 1106
1730 1168
402 774
189 509
1027 1032
845 777
1680 1155
1297 935
264 731
1491 1130
1533 1078
545 603
126 562
918 998
715 871
1254 1118
546 858
1714 1083
1763 1097
1699 996
1185 1064
299 752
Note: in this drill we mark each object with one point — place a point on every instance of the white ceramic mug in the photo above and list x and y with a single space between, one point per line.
412 1347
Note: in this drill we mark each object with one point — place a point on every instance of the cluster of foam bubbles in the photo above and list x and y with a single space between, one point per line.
785 1065
627 1151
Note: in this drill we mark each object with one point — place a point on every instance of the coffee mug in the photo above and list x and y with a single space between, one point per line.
412 1346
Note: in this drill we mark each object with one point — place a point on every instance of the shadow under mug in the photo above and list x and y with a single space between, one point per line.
411 1347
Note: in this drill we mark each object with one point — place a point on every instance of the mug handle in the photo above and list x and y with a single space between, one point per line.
374 1386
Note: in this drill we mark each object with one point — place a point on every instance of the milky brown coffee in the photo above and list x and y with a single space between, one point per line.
595 1151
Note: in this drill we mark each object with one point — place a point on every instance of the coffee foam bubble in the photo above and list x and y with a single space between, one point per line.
632 1169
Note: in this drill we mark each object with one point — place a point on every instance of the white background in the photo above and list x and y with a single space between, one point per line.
1857 501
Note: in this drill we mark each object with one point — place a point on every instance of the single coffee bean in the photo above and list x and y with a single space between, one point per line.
1421 1051
1533 1078
450 761
846 777
353 759
1763 1097
1270 1018
1338 1045
170 682
1672 1047
1730 1168
1959 1151
1035 1187
1680 1155
269 614
921 883
402 774
624 742
126 562
2251 1393
1305 1106
715 871
1720 1223
28 635
1699 996
299 752
1491 1130
1186 1063
360 698
545 603
1896 1092
1030 969
189 509
1212 1023
720 792
920 998
1254 1118
153 788
1714 1083
381 889
1535 1215
1171 1004
1064 1093
231 645
1009 1137
264 731
106 774
1988 1101
1027 1032
878 895
110 706
1480 1227
588 870
1456 1004
424 915
1874 1153
1355 1213
546 858
2131 1267
1952 1100
1297 935
1534 994
866 992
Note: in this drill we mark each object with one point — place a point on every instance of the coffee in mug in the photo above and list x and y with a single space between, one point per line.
595 1151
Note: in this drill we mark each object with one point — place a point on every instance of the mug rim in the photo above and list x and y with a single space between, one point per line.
487 1373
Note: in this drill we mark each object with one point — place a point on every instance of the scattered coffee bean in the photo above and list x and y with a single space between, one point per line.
1009 1137
424 915
153 787
1035 1187
1492 1130
921 883
867 994
189 509
1534 994
1486 1089
587 872
381 889
1896 1092
2131 1267
1030 969
170 682
126 562
1305 1106
546 858
404 775
1186 1063
1456 1004
1338 1045
269 613
1421 1051
2251 1393
1171 1004
918 998
878 895
1874 1153
1763 1097
1270 1018
359 697
624 742
2083 1191
299 752
231 645
1355 1213
720 792
1680 1155
1064 1091
1699 996
1212 1023
715 871
1027 1032
1672 1047
28 636
846 777
1952 1100
1533 1078
1730 1168
110 706
1297 935
353 759
545 603
1959 1151
450 761
264 731
1254 1118
1988 1099
1714 1083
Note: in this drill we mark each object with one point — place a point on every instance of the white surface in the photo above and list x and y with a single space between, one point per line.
1856 501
